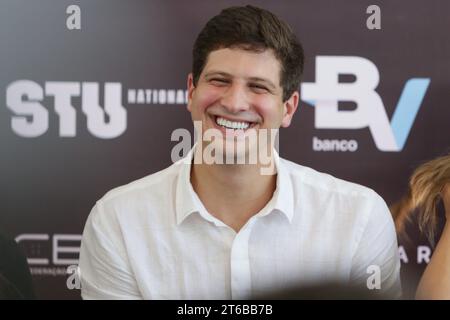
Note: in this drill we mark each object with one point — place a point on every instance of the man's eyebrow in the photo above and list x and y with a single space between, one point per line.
256 79
217 73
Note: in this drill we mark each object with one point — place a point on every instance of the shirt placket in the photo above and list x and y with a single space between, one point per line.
241 285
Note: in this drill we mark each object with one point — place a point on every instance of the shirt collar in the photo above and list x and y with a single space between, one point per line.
283 196
187 201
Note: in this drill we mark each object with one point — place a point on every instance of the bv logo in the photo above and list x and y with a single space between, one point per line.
327 91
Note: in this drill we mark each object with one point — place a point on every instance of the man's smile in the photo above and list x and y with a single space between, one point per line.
235 127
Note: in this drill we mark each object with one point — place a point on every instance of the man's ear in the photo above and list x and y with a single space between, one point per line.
289 108
191 88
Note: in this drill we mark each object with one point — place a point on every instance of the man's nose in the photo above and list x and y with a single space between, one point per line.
235 99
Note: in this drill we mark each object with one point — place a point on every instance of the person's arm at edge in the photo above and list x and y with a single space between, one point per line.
435 281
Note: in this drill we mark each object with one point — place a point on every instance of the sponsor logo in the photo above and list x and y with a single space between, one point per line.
326 93
48 255
30 117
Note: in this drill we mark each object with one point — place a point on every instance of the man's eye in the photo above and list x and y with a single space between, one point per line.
218 81
259 88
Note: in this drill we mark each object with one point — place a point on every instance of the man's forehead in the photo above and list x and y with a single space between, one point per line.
254 65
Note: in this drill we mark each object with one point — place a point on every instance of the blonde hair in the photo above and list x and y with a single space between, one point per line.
425 187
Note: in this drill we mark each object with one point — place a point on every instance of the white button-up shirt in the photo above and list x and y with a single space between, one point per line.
154 239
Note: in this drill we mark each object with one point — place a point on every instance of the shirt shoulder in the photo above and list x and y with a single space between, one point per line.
326 183
154 182
139 201
325 199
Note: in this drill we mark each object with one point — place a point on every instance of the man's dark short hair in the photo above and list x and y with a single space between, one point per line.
254 29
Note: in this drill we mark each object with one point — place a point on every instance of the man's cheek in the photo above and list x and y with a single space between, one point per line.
268 112
207 100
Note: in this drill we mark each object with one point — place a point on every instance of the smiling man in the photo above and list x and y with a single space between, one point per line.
237 93
220 229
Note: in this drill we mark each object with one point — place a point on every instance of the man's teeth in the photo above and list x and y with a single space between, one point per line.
232 124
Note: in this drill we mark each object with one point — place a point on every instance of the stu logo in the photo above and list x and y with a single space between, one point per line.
31 119
327 91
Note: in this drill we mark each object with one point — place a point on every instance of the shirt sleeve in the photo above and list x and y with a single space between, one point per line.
104 270
376 262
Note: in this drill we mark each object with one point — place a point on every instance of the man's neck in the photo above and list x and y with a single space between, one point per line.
232 193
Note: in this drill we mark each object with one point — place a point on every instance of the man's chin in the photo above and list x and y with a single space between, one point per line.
230 152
